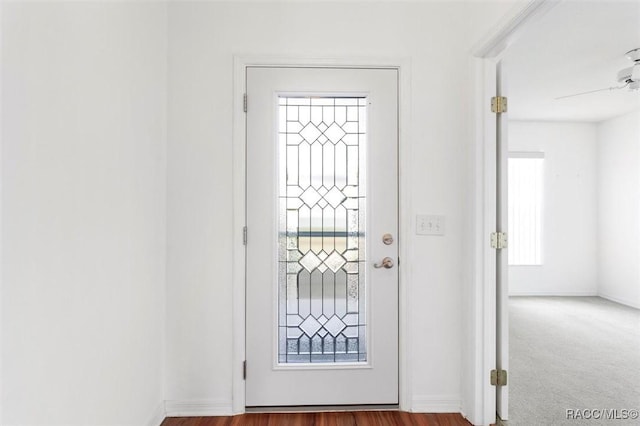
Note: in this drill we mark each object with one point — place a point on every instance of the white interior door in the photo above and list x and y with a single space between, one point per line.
322 215
502 271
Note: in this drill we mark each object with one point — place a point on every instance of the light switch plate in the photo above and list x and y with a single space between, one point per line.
430 224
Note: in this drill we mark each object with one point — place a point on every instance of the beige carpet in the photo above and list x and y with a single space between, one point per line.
573 353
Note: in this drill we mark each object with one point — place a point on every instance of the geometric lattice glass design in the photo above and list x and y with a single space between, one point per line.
321 246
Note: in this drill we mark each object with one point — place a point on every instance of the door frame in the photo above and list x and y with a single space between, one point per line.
240 64
484 317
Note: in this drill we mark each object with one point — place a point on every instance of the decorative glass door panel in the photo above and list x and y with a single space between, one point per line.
322 309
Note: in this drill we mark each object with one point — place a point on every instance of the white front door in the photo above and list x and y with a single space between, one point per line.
322 250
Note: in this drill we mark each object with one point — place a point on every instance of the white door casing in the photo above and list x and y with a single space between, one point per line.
491 337
373 379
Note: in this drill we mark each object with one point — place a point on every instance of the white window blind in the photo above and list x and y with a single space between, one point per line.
525 191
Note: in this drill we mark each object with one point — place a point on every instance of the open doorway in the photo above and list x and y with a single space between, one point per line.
574 218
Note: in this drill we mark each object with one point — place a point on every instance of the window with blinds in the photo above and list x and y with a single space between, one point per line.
525 196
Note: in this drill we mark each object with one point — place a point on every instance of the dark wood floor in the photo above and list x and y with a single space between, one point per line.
351 418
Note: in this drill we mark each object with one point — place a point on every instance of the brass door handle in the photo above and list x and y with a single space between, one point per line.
387 263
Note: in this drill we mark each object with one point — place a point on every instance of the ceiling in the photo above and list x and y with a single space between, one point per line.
576 47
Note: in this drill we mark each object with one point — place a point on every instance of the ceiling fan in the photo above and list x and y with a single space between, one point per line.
627 77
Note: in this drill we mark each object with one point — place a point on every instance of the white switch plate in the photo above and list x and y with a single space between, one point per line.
429 224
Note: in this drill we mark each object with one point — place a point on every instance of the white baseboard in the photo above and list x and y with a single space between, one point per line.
621 301
220 407
552 293
463 414
436 404
157 417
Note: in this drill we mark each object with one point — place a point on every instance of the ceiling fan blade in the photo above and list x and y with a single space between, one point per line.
592 91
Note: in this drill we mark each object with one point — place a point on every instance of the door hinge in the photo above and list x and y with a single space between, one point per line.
244 370
244 103
498 377
244 235
499 104
499 240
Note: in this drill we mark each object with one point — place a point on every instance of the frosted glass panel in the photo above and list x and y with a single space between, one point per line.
321 234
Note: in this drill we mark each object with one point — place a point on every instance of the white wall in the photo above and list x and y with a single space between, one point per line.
203 37
569 236
619 209
83 212
84 89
